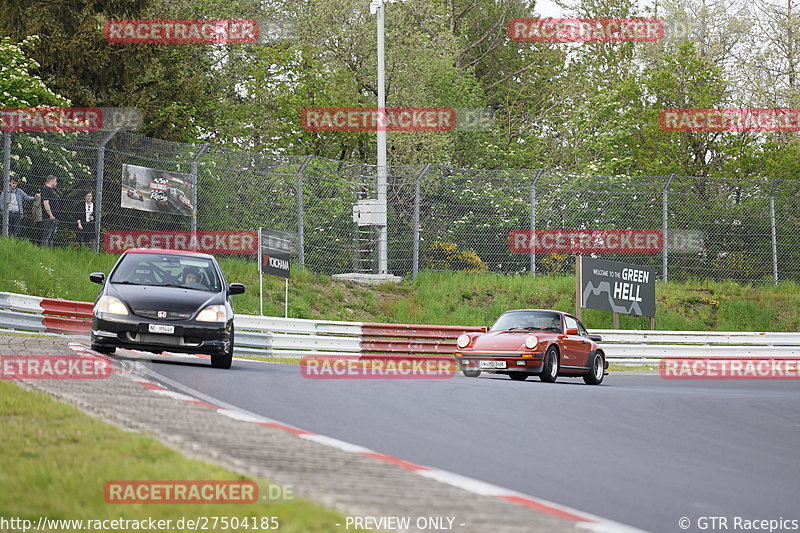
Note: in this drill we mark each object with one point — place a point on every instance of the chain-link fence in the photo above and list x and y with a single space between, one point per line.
438 217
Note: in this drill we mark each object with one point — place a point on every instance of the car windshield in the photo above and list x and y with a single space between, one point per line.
529 321
164 270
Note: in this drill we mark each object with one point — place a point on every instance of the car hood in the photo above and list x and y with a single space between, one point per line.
505 340
170 299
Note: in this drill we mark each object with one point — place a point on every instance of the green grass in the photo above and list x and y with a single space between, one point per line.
433 298
55 462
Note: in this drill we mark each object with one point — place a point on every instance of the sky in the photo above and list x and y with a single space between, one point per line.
546 8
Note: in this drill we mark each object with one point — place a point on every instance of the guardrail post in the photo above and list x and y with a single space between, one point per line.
195 159
533 220
301 239
415 258
6 178
664 231
774 231
98 195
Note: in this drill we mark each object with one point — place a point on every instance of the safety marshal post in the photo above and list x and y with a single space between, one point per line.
274 248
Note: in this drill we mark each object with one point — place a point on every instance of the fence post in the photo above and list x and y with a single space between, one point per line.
98 195
533 220
6 177
301 240
664 231
195 159
774 231
415 257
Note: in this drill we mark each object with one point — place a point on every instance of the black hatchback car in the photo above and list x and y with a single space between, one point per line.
165 300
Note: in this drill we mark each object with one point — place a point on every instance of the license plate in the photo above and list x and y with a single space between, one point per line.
491 364
161 328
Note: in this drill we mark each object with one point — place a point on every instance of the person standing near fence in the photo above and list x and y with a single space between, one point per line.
86 220
34 226
16 208
49 221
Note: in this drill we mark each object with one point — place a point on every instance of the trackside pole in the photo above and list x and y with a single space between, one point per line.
260 278
578 288
286 299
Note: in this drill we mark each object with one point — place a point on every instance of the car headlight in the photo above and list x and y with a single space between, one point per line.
531 341
462 341
212 313
111 305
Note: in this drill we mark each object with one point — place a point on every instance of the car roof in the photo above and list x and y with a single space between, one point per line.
545 310
162 251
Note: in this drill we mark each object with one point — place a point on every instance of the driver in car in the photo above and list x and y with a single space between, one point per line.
191 279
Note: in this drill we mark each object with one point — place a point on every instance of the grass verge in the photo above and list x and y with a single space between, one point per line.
56 460
433 298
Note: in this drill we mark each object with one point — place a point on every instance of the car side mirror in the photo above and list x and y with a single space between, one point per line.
97 277
572 331
596 338
236 288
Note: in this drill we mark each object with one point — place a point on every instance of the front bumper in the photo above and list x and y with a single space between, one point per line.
530 363
132 332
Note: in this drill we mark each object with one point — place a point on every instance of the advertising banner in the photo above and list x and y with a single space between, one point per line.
159 191
618 287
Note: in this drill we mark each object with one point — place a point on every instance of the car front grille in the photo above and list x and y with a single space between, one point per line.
171 315
161 340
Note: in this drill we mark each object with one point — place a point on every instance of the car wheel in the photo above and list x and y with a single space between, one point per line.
595 375
518 376
550 366
223 360
471 373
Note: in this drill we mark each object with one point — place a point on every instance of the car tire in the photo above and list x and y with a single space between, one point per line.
518 376
108 350
550 366
224 359
597 372
471 373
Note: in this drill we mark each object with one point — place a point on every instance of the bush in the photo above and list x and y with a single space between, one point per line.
447 256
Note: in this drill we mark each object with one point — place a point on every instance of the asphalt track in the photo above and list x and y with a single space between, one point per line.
638 449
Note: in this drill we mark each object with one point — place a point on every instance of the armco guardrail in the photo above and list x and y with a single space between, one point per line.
33 313
631 347
259 335
293 337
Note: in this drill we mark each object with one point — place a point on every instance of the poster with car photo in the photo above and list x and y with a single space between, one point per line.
160 191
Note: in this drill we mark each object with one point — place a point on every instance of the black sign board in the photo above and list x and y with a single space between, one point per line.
618 287
275 247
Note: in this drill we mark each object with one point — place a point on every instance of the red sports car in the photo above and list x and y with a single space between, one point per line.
529 342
